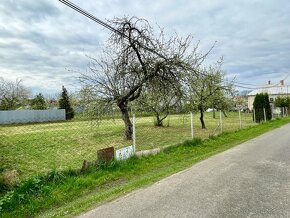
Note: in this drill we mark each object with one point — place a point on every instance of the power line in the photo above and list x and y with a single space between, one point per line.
109 27
92 17
251 86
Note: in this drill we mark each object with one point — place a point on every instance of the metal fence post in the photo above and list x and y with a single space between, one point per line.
134 133
221 122
240 119
265 115
191 125
272 113
254 113
283 112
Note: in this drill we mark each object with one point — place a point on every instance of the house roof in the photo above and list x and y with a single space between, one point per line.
272 90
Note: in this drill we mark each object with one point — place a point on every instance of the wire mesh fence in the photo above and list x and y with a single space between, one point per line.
175 129
39 147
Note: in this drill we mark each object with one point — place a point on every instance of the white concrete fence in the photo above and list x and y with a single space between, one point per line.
31 116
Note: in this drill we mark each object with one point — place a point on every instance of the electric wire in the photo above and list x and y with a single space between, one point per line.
109 27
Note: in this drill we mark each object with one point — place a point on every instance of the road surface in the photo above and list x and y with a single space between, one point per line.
249 180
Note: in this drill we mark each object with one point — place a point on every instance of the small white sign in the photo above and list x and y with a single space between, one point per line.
124 153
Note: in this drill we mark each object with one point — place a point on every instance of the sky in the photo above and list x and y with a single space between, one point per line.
45 44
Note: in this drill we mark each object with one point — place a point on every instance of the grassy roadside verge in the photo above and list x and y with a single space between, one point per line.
68 193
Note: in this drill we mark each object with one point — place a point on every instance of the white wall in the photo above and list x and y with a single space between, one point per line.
252 98
250 102
29 116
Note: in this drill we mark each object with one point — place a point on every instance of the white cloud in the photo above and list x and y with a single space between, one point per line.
41 40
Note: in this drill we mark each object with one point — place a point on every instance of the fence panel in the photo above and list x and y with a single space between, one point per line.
175 129
31 116
39 147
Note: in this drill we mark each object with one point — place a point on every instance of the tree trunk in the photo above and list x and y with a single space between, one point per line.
213 113
125 116
201 119
224 113
159 122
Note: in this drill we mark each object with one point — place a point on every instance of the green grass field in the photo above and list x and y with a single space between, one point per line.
37 148
68 193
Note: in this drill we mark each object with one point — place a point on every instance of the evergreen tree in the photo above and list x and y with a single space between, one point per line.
267 106
262 102
258 107
64 103
39 103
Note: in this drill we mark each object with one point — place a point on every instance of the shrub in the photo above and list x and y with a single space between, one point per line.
38 103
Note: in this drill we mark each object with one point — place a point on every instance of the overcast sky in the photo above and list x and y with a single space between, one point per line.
45 43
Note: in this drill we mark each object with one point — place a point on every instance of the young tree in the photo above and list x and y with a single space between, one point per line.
205 88
64 103
221 100
133 60
282 102
39 103
160 100
12 94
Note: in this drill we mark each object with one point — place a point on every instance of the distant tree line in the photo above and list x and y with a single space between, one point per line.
14 95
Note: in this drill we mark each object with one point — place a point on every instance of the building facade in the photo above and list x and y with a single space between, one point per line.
274 91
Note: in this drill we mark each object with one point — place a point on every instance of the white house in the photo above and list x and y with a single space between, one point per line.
274 91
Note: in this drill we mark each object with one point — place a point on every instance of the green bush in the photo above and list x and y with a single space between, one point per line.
38 103
282 102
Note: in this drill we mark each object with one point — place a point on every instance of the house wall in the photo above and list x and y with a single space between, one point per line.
30 116
250 102
272 98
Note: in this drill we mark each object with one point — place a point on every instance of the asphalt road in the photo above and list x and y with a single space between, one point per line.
250 180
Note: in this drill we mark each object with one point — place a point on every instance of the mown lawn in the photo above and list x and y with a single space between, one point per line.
37 148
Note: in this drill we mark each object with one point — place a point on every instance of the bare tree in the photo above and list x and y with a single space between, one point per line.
136 60
12 94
